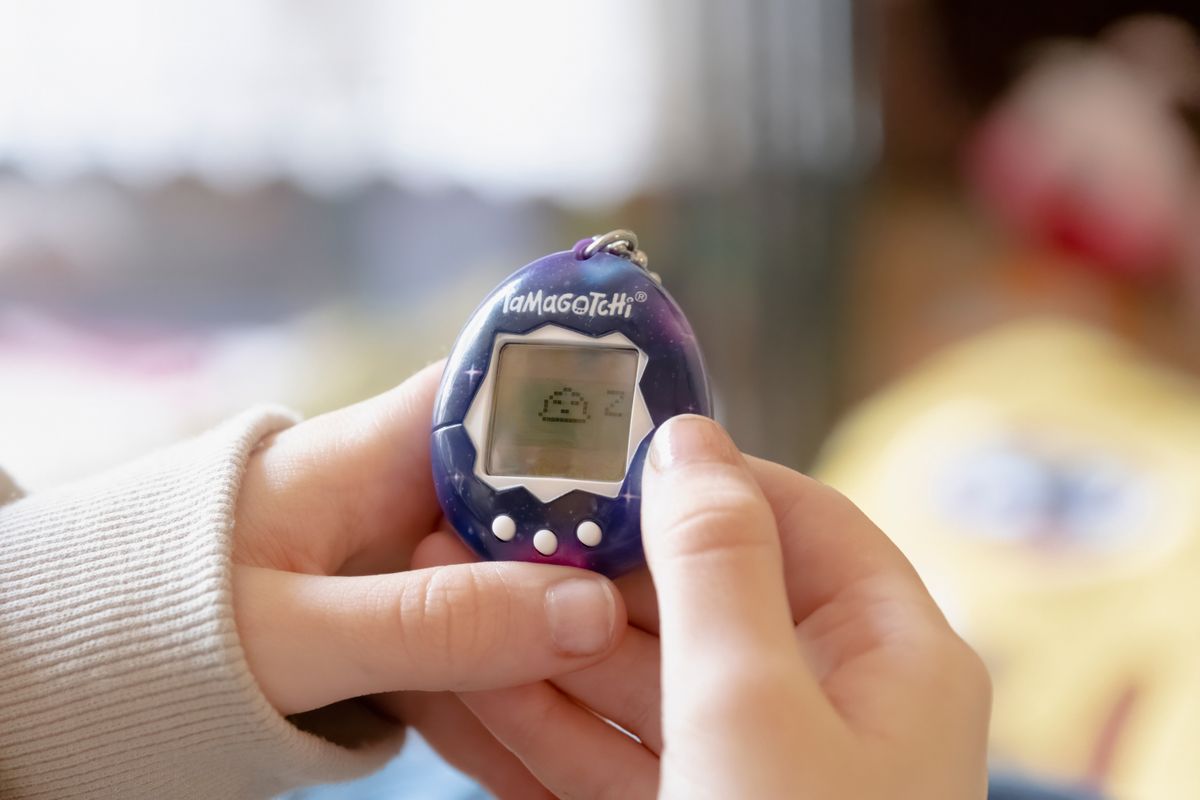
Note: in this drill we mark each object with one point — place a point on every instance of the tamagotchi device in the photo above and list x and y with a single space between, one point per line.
548 402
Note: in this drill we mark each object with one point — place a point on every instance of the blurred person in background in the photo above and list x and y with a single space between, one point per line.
1034 444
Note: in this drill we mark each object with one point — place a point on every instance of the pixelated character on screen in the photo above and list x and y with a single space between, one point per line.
565 405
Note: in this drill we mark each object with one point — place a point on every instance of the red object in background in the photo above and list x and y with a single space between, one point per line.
1130 236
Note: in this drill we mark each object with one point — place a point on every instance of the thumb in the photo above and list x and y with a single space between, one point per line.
712 546
313 640
731 662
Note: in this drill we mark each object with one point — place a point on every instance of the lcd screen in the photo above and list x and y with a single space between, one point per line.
562 411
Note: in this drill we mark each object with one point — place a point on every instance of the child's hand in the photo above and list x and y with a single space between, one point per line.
801 655
349 493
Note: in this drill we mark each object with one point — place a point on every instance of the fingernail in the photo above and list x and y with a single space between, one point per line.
690 439
582 613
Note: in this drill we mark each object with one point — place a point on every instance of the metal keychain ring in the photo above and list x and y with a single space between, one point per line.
621 242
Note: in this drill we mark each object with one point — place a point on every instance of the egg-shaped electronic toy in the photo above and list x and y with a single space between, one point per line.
548 403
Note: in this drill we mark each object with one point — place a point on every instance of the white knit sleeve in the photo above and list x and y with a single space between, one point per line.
121 673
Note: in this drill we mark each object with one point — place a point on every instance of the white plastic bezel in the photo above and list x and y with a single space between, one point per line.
478 420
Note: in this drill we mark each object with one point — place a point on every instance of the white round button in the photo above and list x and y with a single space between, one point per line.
545 542
504 528
589 533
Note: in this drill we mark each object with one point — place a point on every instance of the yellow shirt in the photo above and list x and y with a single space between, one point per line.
1045 480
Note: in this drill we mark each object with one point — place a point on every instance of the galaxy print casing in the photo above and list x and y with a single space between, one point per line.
563 299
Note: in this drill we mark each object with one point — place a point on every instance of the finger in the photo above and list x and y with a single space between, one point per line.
571 751
313 640
442 548
638 590
829 544
713 549
623 688
736 688
461 739
348 488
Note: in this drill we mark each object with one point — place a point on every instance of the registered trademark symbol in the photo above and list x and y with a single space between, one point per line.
639 297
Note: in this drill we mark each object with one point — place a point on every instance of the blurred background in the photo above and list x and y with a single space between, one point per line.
945 253
206 204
